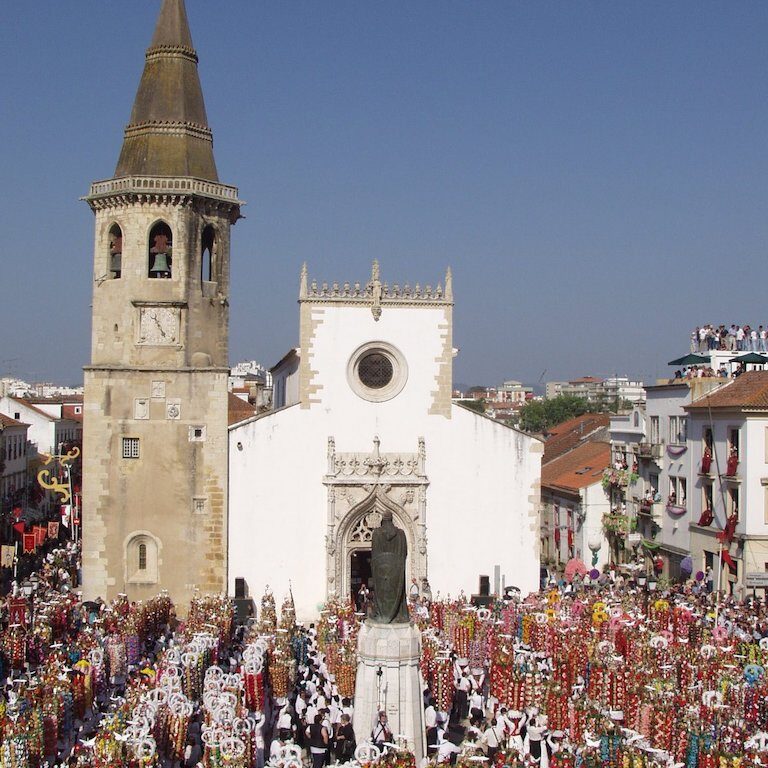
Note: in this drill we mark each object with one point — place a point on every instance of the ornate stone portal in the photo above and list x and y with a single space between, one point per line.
360 487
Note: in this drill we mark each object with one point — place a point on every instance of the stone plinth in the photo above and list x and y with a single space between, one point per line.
393 649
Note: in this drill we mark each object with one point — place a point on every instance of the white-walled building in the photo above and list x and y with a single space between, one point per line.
661 497
573 503
596 390
731 422
13 451
48 428
364 422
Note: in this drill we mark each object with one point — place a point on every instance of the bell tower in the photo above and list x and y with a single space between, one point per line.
155 429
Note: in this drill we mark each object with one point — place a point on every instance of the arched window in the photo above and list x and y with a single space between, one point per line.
160 251
115 268
208 255
142 558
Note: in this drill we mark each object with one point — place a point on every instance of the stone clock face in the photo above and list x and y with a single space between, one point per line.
158 326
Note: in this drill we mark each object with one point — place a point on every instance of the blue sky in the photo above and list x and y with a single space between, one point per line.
594 172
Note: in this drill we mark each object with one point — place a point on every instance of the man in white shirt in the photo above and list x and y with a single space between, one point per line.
493 737
444 751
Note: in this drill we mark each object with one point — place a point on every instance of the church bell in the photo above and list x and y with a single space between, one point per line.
160 265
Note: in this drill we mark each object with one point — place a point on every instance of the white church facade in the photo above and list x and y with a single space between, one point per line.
363 422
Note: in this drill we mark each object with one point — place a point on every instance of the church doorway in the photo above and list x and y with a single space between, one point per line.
359 571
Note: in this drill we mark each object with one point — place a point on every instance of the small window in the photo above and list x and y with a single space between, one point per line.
160 251
130 447
678 430
655 430
208 255
115 252
707 496
197 434
141 559
733 442
733 502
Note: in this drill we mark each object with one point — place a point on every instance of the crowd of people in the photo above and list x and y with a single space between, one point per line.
733 338
594 670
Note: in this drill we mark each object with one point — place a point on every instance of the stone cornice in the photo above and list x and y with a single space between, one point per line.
166 190
154 369
169 128
171 52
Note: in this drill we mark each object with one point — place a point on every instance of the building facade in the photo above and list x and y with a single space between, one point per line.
728 444
365 423
155 421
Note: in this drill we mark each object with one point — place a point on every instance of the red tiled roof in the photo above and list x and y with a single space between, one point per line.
7 421
57 399
563 437
239 409
750 390
579 468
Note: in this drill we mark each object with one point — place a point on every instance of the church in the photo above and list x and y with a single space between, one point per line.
364 422
175 497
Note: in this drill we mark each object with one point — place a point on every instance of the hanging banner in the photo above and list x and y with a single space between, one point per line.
17 611
19 527
53 530
29 543
6 555
41 531
66 511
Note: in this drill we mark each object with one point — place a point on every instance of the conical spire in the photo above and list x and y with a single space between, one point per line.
168 134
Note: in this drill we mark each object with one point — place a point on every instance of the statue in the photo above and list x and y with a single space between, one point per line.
388 552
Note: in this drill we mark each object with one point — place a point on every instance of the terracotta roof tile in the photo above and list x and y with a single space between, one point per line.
579 468
563 437
7 421
239 409
750 390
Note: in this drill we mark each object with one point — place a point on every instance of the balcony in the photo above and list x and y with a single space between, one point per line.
649 510
650 451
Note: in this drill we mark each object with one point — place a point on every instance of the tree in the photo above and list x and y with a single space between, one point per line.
538 415
473 405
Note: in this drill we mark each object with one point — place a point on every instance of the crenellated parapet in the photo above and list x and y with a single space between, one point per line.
376 293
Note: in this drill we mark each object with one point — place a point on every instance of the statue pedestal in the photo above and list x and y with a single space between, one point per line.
394 650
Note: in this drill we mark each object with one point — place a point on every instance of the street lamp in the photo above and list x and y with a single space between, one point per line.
35 581
26 588
594 544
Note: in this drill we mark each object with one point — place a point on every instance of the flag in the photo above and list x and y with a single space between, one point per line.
29 543
53 530
66 510
7 553
19 527
726 555
726 535
41 531
17 512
